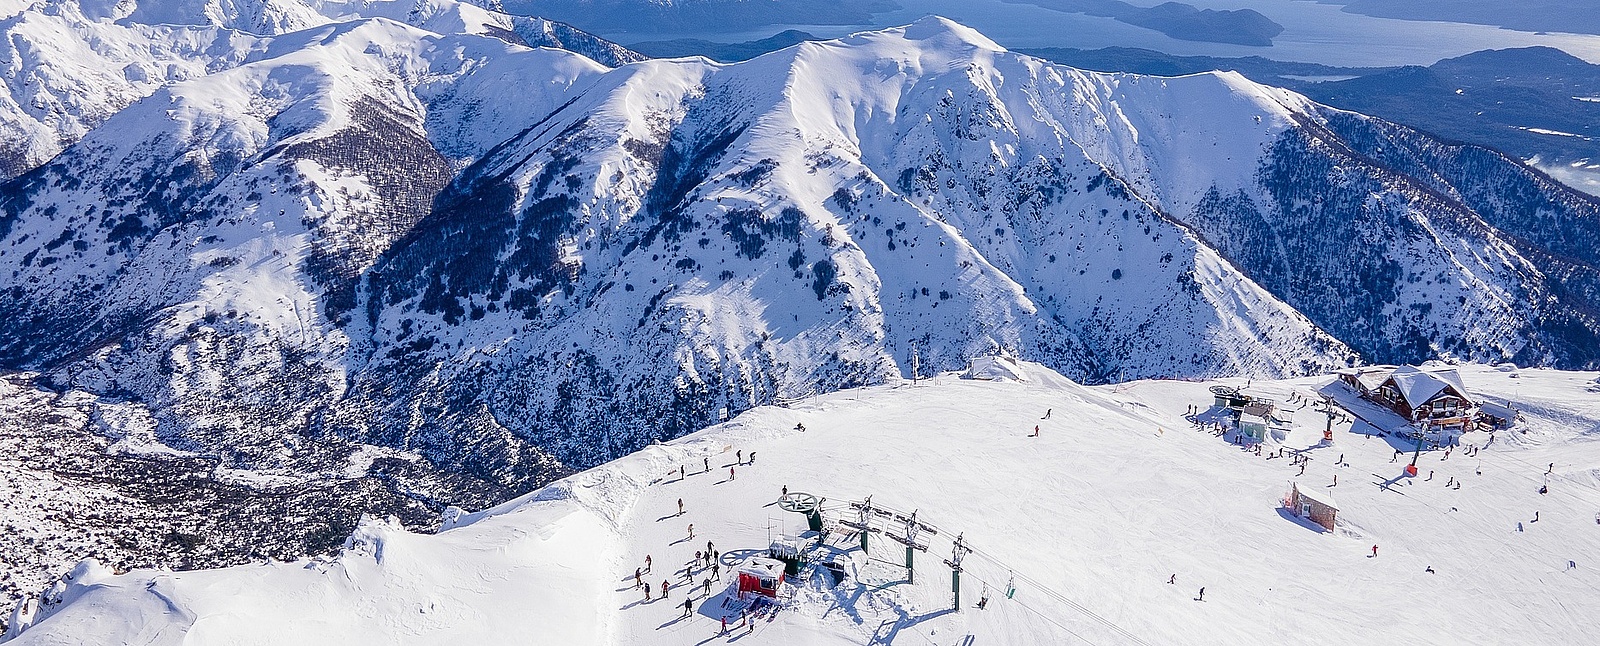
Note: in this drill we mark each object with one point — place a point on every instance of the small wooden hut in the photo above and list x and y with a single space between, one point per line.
1314 505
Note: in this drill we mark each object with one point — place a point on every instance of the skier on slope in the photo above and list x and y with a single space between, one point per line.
707 462
638 578
665 588
1374 550
687 605
1202 596
731 474
647 562
680 506
691 531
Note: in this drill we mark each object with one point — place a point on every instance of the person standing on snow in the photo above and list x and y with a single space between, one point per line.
1035 431
647 562
687 605
691 531
665 588
1374 550
1202 596
680 506
752 458
731 475
707 462
738 456
638 578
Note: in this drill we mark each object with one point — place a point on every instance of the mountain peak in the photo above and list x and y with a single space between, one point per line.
944 32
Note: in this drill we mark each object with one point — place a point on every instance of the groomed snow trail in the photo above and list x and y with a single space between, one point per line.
1116 495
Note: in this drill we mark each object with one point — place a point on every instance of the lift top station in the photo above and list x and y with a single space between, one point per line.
804 503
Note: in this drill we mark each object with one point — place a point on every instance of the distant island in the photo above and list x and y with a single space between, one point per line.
1177 20
721 52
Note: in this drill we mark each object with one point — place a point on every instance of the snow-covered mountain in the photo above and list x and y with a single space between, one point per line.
1072 541
358 233
400 228
68 65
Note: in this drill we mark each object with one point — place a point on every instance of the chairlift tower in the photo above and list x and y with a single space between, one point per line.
911 543
958 552
866 522
1327 409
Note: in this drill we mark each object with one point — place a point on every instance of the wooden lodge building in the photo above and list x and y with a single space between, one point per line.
1433 399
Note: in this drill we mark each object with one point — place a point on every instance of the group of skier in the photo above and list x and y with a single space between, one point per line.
706 562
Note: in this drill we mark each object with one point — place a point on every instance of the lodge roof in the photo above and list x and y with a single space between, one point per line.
1418 386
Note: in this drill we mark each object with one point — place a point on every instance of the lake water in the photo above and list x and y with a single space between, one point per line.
1316 33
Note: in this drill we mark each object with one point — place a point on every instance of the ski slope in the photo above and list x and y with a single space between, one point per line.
1117 494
